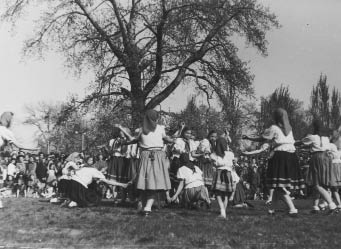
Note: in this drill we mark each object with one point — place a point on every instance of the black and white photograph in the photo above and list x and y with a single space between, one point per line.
128 124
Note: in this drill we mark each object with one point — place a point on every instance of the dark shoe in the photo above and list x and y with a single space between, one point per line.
293 215
146 213
333 211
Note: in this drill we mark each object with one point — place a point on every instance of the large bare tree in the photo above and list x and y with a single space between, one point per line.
142 50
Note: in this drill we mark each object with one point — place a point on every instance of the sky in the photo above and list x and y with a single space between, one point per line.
307 44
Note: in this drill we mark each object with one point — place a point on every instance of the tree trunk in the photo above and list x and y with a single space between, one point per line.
137 111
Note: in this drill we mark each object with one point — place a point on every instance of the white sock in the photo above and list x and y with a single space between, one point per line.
293 211
332 206
316 208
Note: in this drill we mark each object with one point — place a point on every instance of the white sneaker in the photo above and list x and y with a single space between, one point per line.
72 204
1 206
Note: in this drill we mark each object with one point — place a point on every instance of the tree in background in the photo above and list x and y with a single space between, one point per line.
143 50
44 117
322 107
335 112
281 98
320 101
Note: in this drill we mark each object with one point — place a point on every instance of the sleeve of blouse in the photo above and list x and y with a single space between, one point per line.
98 174
218 161
269 133
180 174
177 144
198 170
203 146
308 140
111 142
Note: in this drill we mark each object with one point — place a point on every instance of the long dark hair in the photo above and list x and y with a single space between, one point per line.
184 161
221 147
281 119
320 129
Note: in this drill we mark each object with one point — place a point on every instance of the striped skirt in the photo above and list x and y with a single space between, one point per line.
284 171
153 171
116 167
319 171
222 181
206 167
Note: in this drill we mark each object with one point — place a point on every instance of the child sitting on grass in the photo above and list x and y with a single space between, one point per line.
191 182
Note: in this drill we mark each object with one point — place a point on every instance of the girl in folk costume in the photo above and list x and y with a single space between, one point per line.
191 181
335 183
31 174
319 173
204 150
264 147
134 157
153 175
223 184
72 163
183 144
116 163
6 135
83 190
283 167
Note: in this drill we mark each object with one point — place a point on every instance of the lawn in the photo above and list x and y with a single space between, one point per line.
31 223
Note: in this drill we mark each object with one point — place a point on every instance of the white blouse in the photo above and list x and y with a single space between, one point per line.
281 141
192 179
153 139
86 175
223 163
316 143
180 145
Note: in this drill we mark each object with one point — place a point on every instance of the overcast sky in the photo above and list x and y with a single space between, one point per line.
307 44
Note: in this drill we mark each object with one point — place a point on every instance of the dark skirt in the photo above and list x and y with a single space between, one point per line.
116 169
284 171
319 172
64 187
222 181
206 167
153 171
239 195
174 167
83 196
132 169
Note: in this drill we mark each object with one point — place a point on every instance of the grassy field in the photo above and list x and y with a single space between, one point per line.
30 223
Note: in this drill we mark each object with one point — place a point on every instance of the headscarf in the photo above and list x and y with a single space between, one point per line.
6 119
281 119
184 161
221 147
73 157
150 121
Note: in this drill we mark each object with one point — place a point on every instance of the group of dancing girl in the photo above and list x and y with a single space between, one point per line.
149 164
